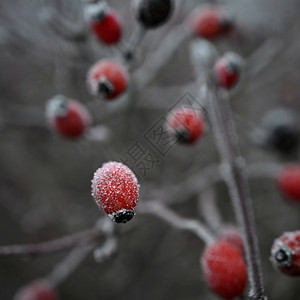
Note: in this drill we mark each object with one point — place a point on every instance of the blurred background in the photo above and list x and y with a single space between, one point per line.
45 178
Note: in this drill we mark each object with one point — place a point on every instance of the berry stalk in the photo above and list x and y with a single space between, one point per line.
234 174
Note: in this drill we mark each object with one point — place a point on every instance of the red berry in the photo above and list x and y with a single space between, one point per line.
232 235
39 290
288 182
105 22
227 70
285 253
116 191
67 117
210 22
186 125
107 78
224 269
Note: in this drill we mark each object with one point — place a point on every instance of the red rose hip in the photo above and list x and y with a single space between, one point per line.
227 70
288 182
285 253
39 290
107 78
210 22
224 269
186 125
232 235
116 190
67 117
104 22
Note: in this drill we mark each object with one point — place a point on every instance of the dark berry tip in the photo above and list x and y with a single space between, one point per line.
122 216
181 136
283 257
105 87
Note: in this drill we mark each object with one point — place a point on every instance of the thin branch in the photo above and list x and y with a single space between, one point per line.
209 209
70 263
234 174
133 43
60 244
154 64
161 211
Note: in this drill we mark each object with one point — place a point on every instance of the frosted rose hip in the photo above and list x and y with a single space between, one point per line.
67 117
186 125
224 269
108 79
285 253
116 190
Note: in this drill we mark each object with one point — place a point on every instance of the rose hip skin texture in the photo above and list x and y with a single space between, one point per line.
232 235
288 182
116 191
285 253
210 22
38 290
224 269
185 124
107 78
109 29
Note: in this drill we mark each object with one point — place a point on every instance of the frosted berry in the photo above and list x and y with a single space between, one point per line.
227 70
186 125
67 117
210 22
285 253
153 13
108 79
39 290
289 182
116 191
224 269
105 22
232 235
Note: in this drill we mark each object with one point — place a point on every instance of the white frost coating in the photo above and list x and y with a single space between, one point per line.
57 107
290 243
115 187
95 11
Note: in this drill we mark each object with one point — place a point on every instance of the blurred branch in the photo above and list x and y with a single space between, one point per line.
160 58
209 209
162 212
60 25
60 244
261 58
70 263
78 254
234 174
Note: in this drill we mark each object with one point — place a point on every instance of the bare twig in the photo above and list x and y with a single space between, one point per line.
152 66
167 215
134 42
234 175
70 263
60 244
79 253
209 209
